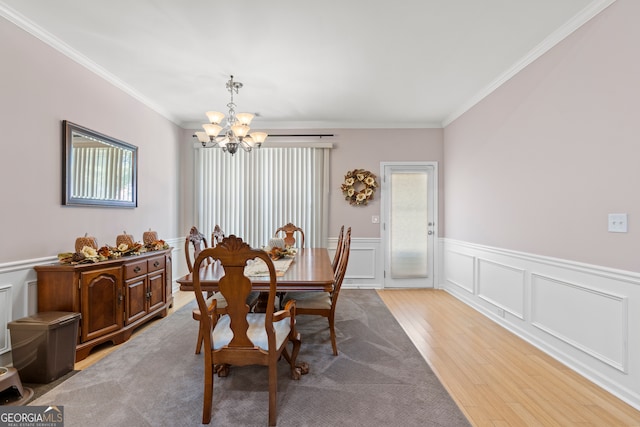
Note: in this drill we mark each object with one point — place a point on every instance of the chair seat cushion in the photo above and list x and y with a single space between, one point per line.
222 333
221 303
313 300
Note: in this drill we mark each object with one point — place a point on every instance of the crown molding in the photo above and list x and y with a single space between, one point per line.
593 9
269 125
590 11
48 38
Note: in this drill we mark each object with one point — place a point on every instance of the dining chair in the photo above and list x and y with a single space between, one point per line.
217 235
196 240
199 243
324 303
339 247
288 230
289 241
240 337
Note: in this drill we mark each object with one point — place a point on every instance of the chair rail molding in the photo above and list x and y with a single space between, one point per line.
586 316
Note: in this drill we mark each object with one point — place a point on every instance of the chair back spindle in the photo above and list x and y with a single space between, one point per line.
339 247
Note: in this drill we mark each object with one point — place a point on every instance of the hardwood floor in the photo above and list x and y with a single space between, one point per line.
496 378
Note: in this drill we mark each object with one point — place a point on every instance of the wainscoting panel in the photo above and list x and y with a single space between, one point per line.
492 277
597 326
362 263
32 297
365 269
178 261
22 277
5 317
586 316
459 270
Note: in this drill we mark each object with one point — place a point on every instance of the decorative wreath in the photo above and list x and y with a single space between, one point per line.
359 186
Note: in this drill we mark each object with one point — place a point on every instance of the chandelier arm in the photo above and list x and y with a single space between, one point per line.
235 130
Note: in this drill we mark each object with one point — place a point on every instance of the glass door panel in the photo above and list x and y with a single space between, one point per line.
408 225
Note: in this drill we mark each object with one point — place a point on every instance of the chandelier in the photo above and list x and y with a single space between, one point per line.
234 133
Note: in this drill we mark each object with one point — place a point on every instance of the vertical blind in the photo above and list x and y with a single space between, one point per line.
102 173
252 194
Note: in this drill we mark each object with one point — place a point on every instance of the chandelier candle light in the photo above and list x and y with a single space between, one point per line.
235 131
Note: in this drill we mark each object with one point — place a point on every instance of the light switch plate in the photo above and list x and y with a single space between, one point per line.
618 223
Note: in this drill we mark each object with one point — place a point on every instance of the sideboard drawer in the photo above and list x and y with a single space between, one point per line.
135 269
156 263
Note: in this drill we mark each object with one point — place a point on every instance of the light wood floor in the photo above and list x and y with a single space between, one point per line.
496 378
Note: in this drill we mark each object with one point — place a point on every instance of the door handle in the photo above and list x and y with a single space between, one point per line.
430 232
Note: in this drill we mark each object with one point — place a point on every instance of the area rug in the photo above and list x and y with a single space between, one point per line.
155 379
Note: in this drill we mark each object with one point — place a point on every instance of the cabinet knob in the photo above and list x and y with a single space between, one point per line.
136 269
157 263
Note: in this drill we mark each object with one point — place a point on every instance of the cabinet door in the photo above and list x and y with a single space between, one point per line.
156 290
101 294
136 298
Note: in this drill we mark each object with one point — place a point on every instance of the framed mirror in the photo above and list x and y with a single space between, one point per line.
97 170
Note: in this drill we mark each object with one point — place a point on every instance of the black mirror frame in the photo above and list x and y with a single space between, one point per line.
68 128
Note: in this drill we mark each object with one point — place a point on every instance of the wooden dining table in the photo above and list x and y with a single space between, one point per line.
310 270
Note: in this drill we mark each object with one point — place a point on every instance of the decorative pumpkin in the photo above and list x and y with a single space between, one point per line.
148 237
87 240
125 238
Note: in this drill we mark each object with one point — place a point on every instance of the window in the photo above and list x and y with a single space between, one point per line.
252 194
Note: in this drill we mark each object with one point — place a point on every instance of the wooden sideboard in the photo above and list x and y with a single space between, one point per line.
113 297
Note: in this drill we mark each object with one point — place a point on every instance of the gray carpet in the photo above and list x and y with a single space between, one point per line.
155 379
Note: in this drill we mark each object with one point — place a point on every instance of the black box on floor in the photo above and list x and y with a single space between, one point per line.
43 346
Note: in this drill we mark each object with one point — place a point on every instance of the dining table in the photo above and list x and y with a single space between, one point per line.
309 270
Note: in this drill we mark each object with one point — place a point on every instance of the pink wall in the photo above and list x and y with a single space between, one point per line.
43 87
538 165
40 88
365 149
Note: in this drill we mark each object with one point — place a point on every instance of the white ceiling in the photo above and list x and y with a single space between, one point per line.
320 64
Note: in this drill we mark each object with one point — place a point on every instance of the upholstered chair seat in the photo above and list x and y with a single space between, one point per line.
222 333
310 300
